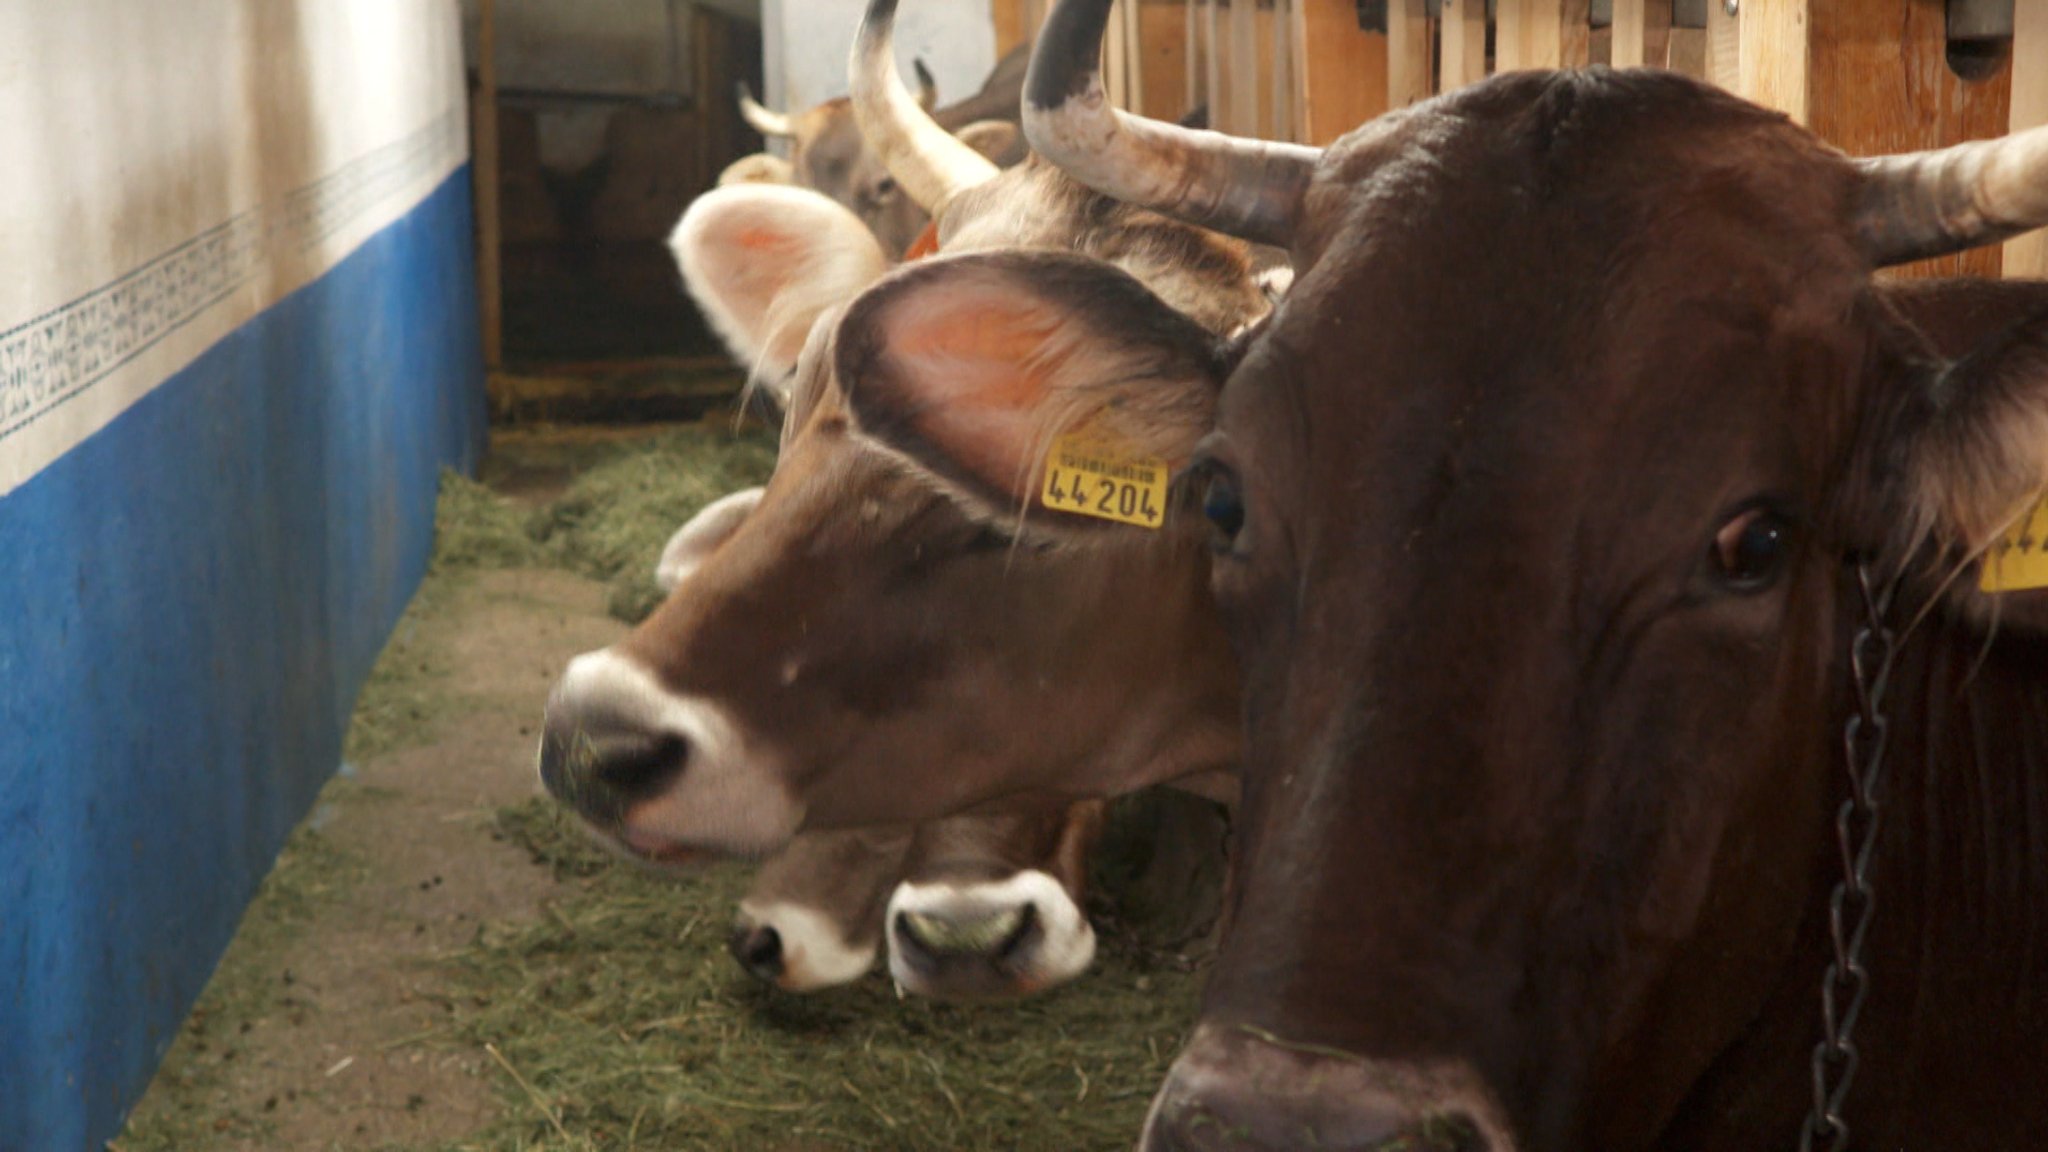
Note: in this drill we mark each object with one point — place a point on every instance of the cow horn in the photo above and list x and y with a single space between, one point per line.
1923 204
925 159
765 122
927 85
1248 188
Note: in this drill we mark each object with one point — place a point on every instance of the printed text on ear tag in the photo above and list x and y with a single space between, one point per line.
1089 473
2019 559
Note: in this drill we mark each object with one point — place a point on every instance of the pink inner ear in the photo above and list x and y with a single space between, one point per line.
980 363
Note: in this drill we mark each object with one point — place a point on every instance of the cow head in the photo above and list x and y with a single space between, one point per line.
991 906
973 907
812 918
1531 509
831 152
859 650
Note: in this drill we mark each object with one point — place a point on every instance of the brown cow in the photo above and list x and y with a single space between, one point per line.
972 907
860 651
828 153
1538 509
976 907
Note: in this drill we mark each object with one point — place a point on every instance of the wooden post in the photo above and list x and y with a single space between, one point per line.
1541 34
484 171
1629 41
1280 49
1773 45
1244 68
1462 35
1724 47
2028 255
1343 69
1116 59
1407 52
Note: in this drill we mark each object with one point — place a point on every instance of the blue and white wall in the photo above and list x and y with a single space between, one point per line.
237 344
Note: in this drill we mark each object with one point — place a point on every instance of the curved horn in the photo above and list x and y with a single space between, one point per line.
925 159
1248 188
927 85
1923 204
765 122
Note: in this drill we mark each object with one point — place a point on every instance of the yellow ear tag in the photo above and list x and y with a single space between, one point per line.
1091 473
2019 560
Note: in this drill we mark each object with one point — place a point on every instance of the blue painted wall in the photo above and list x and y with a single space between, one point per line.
189 601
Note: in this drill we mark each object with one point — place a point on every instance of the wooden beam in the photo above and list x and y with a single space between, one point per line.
1407 52
1541 34
1642 34
2028 255
1277 42
1116 59
1344 70
1879 82
1724 47
1463 41
1773 47
1244 68
490 266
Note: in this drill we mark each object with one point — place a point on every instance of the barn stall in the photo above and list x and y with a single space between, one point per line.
246 329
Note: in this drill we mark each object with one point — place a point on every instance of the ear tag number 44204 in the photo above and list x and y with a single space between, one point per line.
2019 559
1089 473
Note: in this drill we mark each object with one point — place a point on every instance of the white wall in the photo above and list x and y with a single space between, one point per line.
172 169
805 45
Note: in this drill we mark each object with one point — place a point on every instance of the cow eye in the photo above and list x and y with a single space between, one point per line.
1223 505
1749 551
886 186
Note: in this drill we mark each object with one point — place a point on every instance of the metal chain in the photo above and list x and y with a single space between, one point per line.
1853 902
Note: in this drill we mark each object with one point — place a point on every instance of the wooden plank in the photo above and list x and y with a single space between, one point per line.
1879 81
1463 43
1541 34
1215 86
1016 22
1686 52
1641 34
1162 41
1276 43
1407 52
2028 255
1772 53
1116 61
1344 70
1134 56
490 267
1243 53
1724 44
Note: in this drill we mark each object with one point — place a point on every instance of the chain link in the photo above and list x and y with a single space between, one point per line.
1851 905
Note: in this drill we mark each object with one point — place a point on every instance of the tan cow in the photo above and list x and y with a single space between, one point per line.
974 907
828 154
860 651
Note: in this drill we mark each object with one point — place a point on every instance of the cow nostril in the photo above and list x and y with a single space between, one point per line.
1015 940
759 950
638 764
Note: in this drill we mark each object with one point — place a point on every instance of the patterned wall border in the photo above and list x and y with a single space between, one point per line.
63 353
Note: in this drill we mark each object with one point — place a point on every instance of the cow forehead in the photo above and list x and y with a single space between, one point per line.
1589 257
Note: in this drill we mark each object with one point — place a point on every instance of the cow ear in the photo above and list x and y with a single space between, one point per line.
1000 140
1973 438
693 542
972 366
764 261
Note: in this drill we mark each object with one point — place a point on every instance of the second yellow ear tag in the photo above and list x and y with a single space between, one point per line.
2019 559
1089 473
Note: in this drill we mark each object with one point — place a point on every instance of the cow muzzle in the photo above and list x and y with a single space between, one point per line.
657 774
991 940
1237 1089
